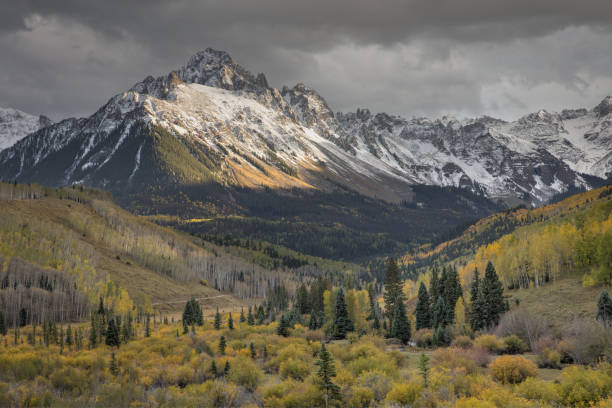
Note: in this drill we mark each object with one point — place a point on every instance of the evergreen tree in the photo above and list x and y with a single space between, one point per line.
302 300
372 300
213 369
493 294
222 345
217 323
148 326
439 313
3 330
393 288
312 322
475 284
112 334
477 312
424 369
452 293
261 315
423 311
226 369
400 325
342 324
185 327
93 333
230 322
283 327
376 324
604 309
325 373
252 349
101 310
434 286
242 318
69 338
250 318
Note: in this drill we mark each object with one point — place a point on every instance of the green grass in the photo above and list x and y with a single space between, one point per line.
558 302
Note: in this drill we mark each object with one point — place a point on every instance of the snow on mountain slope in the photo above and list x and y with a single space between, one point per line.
221 122
15 125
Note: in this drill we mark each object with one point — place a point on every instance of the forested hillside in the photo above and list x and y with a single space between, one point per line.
63 249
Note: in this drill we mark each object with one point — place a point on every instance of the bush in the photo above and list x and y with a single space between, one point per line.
423 338
490 343
463 342
549 358
590 341
480 356
514 345
544 342
362 397
524 324
294 368
245 372
581 386
512 369
565 348
536 389
405 393
377 381
454 358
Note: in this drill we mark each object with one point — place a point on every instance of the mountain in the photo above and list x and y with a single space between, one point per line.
15 125
213 148
240 131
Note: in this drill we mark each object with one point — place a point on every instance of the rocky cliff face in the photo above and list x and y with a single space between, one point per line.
213 120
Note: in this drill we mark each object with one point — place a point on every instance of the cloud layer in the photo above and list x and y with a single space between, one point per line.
408 57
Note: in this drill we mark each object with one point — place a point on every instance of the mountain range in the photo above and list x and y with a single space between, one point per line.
212 139
15 125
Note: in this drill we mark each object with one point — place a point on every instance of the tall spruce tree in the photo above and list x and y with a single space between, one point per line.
112 334
230 322
242 318
326 372
439 313
400 325
217 323
604 309
493 297
423 309
302 300
434 285
250 317
342 324
393 288
222 345
283 327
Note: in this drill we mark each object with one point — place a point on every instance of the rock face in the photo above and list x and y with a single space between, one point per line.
213 120
15 125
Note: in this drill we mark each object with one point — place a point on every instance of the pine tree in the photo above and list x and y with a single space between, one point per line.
261 315
302 301
439 313
475 284
400 325
423 311
477 312
312 322
113 367
112 334
604 309
3 330
217 323
242 318
222 345
250 318
226 369
283 327
493 293
424 369
185 327
230 322
325 373
342 324
213 369
69 338
93 333
252 348
434 286
376 324
393 288
148 326
452 292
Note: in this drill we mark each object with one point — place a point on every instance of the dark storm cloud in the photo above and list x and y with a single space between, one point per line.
410 57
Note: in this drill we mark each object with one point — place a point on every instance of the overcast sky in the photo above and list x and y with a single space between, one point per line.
408 57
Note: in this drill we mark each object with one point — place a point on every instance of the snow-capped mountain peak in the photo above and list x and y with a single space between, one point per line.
214 119
15 125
